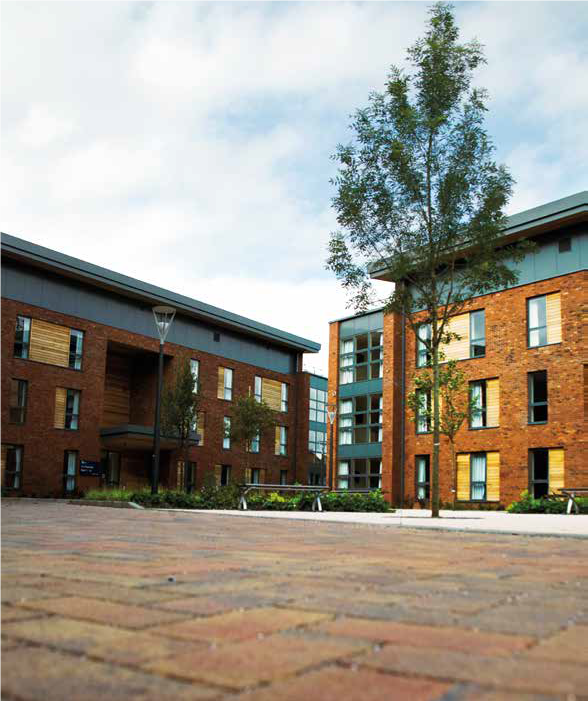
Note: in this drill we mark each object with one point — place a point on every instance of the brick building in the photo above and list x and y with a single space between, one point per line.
525 355
79 373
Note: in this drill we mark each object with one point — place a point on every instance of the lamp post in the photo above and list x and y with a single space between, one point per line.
331 413
163 319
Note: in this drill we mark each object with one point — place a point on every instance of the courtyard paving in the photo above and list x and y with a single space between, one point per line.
127 604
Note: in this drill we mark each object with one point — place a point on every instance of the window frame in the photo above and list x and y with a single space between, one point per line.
426 416
480 340
532 480
317 405
483 411
348 423
369 363
76 355
532 404
76 393
314 445
478 482
420 484
255 475
225 479
195 363
26 341
284 397
421 349
258 388
67 476
283 441
368 475
536 328
228 387
283 477
18 473
22 409
105 464
254 444
226 432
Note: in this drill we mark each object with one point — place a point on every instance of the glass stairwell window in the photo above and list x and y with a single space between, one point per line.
423 355
361 358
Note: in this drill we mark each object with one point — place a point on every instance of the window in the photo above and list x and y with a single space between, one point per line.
225 383
12 466
227 432
18 401
423 477
256 475
283 476
110 463
477 334
478 476
281 447
225 475
423 355
76 346
365 473
216 336
72 409
70 466
317 442
565 245
539 473
190 478
538 397
361 357
478 412
318 405
537 319
22 337
360 420
423 417
195 370
257 390
254 444
284 405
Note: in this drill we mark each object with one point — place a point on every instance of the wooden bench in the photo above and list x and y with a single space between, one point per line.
317 491
571 493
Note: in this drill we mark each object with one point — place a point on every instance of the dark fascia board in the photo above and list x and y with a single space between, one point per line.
123 285
531 222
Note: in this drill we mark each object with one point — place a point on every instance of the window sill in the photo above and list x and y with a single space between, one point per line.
545 345
537 423
481 428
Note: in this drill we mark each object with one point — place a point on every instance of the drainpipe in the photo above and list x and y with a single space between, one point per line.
403 410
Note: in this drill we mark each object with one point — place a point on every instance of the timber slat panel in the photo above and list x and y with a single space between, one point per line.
556 469
218 471
553 314
200 421
248 475
49 343
277 441
458 349
492 402
117 391
60 400
585 392
220 390
493 476
271 392
463 477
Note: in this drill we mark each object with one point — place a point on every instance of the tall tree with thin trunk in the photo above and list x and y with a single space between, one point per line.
419 198
179 412
250 418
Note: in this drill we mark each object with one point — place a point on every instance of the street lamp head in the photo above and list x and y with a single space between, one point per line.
163 319
331 413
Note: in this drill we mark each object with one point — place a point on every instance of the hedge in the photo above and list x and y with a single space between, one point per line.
529 505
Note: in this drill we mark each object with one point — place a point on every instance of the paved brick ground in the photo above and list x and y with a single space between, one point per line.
115 604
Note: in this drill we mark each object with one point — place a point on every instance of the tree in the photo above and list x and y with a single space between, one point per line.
455 404
250 418
420 198
179 412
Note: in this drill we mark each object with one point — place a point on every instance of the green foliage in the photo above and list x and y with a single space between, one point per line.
108 494
249 418
179 405
529 505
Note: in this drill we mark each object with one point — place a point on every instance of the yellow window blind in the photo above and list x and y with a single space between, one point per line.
556 469
553 314
493 476
49 343
200 421
492 402
277 441
271 392
220 389
218 471
247 475
463 477
60 401
458 349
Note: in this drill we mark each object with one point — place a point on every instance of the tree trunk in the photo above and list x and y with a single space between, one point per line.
186 469
454 468
436 434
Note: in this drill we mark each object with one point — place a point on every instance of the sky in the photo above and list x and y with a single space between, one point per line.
188 144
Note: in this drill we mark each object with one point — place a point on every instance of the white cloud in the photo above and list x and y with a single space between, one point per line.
187 144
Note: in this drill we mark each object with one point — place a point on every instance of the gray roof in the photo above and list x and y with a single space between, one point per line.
129 287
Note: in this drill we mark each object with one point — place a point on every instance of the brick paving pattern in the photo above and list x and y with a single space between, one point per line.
116 604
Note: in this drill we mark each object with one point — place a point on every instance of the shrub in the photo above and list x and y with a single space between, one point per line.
529 505
109 495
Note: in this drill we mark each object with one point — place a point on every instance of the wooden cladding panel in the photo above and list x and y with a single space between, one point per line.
247 475
553 315
49 343
220 389
585 392
463 477
458 349
271 392
277 441
117 391
3 463
493 402
493 476
556 469
60 401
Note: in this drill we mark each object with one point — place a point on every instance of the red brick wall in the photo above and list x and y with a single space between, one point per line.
508 358
333 394
44 445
